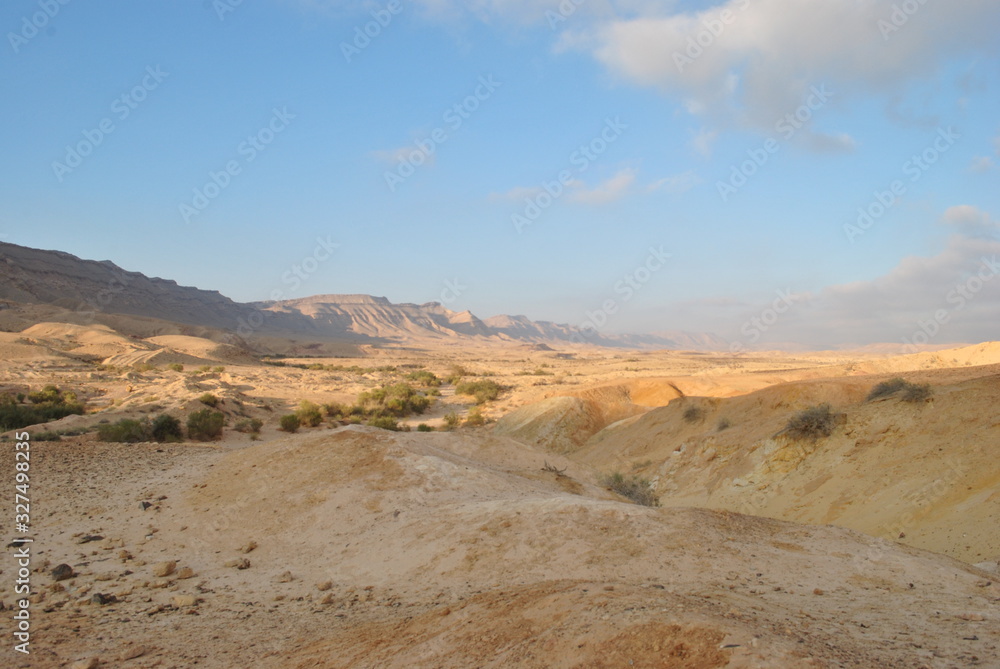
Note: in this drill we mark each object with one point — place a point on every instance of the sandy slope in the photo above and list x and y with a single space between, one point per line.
455 551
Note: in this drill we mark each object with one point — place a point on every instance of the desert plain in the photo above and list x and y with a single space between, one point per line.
490 532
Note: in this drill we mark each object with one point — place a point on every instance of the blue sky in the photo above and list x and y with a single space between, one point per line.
688 155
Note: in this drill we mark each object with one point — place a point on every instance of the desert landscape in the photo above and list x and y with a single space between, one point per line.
503 502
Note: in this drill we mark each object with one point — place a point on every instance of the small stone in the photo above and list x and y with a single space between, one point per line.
817 591
324 586
327 598
62 572
124 555
164 568
106 576
973 617
185 572
89 663
181 601
132 653
248 547
87 538
102 599
241 563
286 577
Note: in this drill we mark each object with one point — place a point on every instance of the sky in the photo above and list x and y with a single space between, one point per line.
820 173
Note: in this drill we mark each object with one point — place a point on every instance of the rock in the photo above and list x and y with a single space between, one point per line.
89 663
286 577
248 547
973 617
144 505
327 598
132 653
817 591
181 601
62 572
102 599
86 539
241 563
185 572
324 586
124 555
164 568
991 567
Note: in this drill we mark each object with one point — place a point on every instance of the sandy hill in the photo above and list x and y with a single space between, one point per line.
925 473
364 548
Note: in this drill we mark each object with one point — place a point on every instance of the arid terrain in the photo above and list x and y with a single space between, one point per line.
502 544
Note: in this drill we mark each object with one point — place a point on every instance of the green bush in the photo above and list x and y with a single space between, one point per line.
290 423
175 367
634 488
424 378
484 390
812 423
723 424
208 399
424 427
309 414
218 370
384 422
249 425
205 425
451 420
46 405
166 428
398 400
475 418
335 410
125 431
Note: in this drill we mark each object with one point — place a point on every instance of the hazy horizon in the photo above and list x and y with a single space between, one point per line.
819 174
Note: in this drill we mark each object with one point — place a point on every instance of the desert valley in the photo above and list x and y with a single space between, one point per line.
353 483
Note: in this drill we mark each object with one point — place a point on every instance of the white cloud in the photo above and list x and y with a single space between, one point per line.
981 164
970 221
760 65
676 184
609 191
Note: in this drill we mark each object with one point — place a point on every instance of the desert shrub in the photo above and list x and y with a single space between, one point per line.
475 418
218 370
175 367
723 424
249 425
46 435
204 369
424 378
917 393
694 414
289 422
398 400
451 420
205 425
424 427
908 392
384 422
309 414
208 399
125 431
46 405
166 428
483 390
335 409
812 423
634 488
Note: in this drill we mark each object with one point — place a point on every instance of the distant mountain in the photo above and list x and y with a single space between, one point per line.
85 287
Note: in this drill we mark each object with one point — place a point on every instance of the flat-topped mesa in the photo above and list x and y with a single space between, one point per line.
340 299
